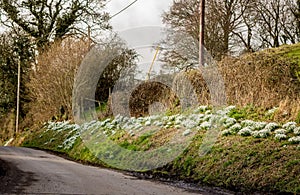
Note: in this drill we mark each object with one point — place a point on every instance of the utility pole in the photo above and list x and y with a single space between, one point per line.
201 32
18 96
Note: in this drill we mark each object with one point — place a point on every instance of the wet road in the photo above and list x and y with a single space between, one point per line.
37 172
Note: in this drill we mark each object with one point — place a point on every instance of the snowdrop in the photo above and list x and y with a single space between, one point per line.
245 131
272 126
271 111
248 123
225 111
289 126
260 134
235 128
294 140
187 132
229 122
229 108
226 132
297 131
280 137
208 112
259 125
147 123
207 117
280 131
202 108
189 123
205 125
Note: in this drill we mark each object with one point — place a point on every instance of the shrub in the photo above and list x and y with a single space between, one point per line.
51 83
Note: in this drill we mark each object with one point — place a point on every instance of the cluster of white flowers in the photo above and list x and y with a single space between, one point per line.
297 131
247 131
289 126
271 111
201 118
261 129
73 132
280 136
295 140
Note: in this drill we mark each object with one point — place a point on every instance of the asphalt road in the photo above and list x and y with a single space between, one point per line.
28 171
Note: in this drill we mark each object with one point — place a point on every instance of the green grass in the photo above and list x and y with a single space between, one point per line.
238 163
292 52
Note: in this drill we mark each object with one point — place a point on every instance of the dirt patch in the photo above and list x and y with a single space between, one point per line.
12 179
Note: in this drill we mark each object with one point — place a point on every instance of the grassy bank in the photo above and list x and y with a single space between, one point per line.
254 147
266 158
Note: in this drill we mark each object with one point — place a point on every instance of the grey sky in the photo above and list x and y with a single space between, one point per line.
142 13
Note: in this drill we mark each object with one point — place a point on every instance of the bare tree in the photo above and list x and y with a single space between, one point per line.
224 22
276 24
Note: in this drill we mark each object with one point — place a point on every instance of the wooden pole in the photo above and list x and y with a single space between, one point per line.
18 96
152 64
201 32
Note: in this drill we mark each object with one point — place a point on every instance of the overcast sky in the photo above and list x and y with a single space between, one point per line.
142 13
134 24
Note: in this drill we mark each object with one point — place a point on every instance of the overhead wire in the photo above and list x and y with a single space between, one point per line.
125 8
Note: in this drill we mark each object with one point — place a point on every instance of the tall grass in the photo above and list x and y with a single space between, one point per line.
265 79
51 83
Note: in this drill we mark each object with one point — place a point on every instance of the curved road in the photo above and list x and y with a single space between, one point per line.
28 171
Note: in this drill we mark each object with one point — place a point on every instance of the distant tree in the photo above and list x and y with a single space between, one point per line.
113 71
48 20
224 21
14 48
276 24
295 8
232 27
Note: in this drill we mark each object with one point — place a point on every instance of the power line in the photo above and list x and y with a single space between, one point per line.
125 8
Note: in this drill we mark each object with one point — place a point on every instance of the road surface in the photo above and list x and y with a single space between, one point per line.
28 171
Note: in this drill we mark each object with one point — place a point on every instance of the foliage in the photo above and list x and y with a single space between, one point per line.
14 49
46 20
111 74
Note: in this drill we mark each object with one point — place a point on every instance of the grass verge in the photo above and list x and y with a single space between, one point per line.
242 164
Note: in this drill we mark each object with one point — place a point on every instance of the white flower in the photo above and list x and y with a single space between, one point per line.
207 117
248 123
202 108
223 119
158 123
280 136
189 123
226 132
229 122
297 131
280 131
235 128
247 131
147 123
271 111
187 132
208 112
289 126
272 126
205 125
260 134
226 110
259 125
294 140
